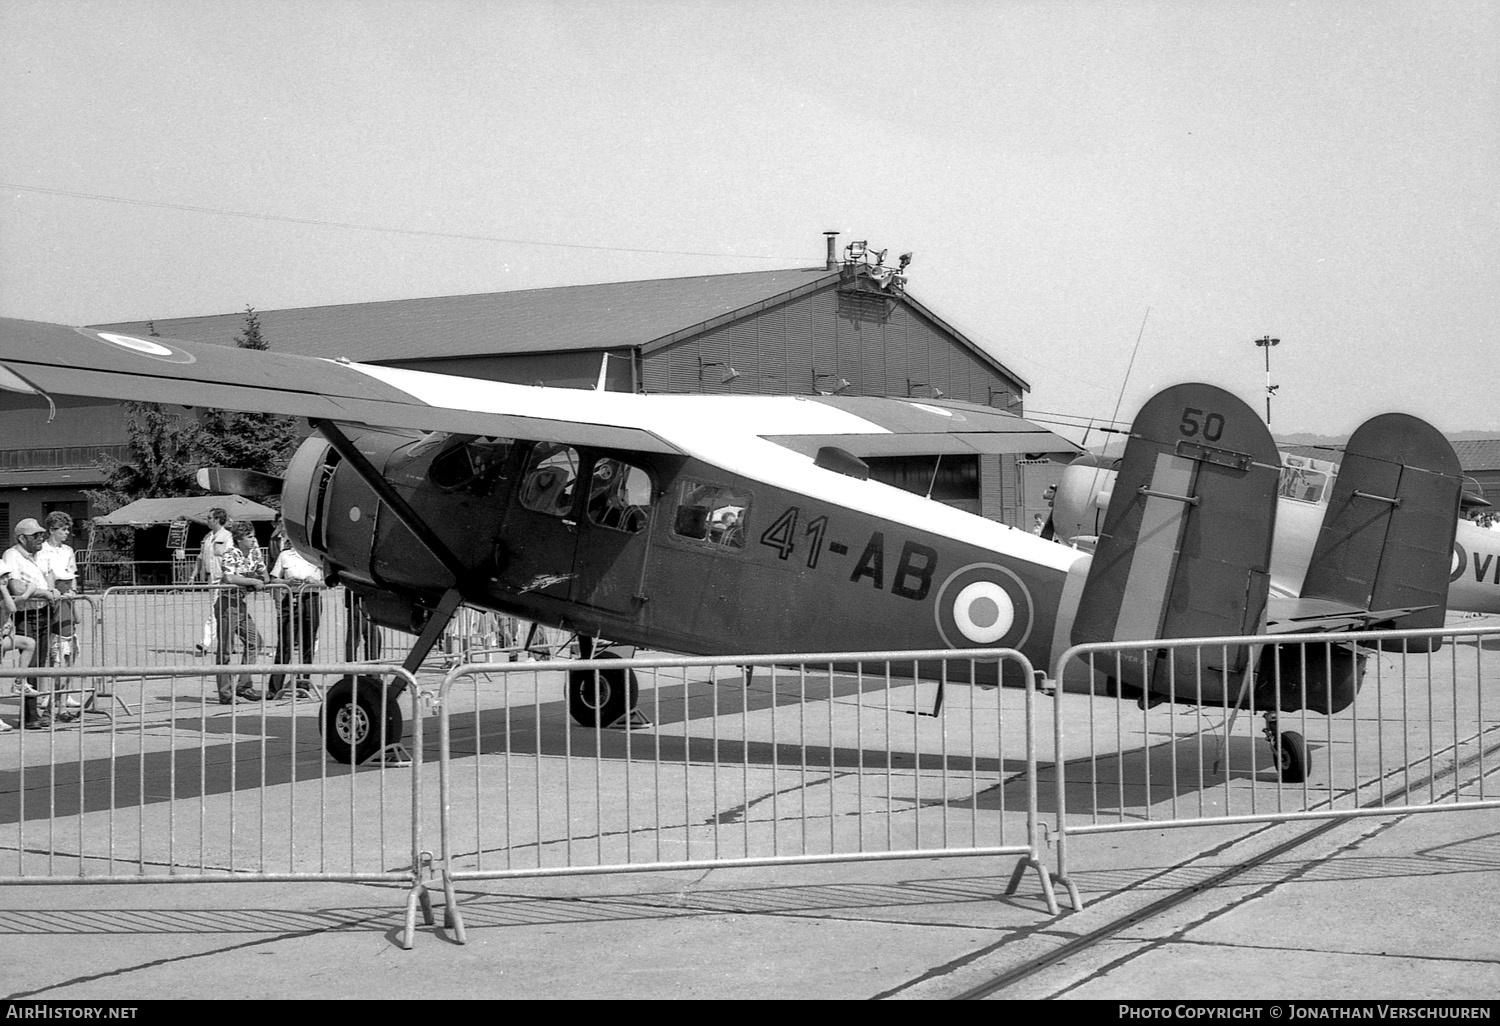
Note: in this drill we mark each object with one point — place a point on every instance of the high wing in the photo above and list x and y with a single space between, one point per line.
51 359
926 427
47 359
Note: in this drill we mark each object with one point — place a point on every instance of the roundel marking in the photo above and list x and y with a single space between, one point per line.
983 612
983 605
1460 561
146 347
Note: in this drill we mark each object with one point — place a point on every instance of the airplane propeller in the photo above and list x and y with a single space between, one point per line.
252 484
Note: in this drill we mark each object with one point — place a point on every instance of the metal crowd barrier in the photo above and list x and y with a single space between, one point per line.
171 625
74 640
1417 736
193 791
739 761
729 762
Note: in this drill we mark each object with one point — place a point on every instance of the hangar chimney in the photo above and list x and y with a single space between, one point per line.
833 255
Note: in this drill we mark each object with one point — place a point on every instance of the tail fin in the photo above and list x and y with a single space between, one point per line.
1387 536
1186 546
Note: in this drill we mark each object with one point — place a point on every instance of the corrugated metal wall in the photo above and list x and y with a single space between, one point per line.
876 342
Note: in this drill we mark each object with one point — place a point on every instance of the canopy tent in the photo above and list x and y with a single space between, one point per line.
150 512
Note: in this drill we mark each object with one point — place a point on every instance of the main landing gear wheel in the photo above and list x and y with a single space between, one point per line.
351 719
1289 749
602 698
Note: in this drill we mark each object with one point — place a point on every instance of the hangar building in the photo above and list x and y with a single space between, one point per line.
850 327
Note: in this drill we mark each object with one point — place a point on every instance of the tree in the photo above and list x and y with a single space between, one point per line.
246 441
159 465
160 458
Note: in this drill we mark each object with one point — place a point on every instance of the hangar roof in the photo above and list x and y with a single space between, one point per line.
645 314
1478 453
1474 454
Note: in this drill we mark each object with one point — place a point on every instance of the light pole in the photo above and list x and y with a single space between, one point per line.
1266 343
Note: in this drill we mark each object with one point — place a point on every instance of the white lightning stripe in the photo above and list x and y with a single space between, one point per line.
673 417
726 432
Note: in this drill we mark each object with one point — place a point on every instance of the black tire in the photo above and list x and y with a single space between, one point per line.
1291 757
597 698
350 715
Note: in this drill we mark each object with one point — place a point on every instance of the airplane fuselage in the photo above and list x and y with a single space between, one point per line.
1474 585
671 552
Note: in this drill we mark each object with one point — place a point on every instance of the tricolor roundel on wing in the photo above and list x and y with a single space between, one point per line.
144 347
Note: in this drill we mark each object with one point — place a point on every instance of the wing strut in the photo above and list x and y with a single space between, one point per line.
413 522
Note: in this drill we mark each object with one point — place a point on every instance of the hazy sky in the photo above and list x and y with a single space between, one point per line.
1324 172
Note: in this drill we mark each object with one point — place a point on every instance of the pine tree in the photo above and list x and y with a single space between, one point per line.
247 441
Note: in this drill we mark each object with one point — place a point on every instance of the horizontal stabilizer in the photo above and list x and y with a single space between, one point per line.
1316 615
1186 545
1387 537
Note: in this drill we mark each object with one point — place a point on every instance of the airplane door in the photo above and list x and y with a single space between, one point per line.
542 529
613 536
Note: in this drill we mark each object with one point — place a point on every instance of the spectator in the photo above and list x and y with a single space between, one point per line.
242 571
34 598
210 568
359 628
60 564
299 612
22 645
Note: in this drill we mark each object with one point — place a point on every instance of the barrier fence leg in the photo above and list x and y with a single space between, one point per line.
452 918
1032 862
418 895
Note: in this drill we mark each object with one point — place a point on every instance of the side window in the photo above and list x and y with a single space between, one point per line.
619 496
712 514
551 474
474 465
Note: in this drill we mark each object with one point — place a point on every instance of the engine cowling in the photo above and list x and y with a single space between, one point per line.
450 481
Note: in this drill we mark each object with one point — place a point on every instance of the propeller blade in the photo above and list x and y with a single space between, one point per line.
252 484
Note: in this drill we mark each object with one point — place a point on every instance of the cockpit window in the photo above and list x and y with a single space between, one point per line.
475 464
619 496
1302 481
713 514
551 474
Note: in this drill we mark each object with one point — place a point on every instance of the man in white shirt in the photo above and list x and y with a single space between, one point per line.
215 543
33 592
299 612
210 568
60 564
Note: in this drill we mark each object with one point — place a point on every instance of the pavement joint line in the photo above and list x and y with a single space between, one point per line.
1445 959
1112 925
1103 910
1229 902
40 992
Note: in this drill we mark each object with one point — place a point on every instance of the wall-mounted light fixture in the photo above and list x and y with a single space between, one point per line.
1011 398
727 375
832 387
933 392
